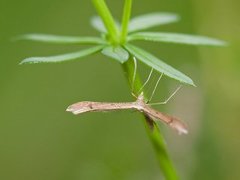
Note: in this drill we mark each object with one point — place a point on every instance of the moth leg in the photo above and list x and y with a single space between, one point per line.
155 88
145 83
134 74
169 98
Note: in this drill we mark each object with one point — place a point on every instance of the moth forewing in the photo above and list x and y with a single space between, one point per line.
88 106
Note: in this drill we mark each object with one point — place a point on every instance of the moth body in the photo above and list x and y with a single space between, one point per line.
139 104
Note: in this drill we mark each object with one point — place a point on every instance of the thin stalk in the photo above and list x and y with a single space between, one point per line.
107 18
125 20
128 67
152 128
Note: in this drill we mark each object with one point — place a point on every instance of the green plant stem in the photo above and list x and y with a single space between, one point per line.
152 128
108 20
125 20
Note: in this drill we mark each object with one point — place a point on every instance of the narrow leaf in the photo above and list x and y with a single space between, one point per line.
63 57
158 65
47 38
117 53
98 24
150 20
175 38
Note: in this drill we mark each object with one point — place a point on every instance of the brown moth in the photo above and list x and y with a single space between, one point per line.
139 104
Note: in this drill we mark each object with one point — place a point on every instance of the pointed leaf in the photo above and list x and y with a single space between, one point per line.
175 38
117 53
98 24
63 57
150 20
158 65
47 38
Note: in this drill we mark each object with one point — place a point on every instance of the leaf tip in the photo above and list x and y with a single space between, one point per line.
30 60
23 62
193 84
224 43
190 82
216 42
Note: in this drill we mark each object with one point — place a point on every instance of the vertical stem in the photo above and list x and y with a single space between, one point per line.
107 18
125 20
128 67
152 129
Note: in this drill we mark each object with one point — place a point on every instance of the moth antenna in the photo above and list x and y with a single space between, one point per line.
145 83
169 98
155 88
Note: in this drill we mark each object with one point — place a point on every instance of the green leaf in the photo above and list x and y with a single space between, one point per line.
150 20
117 53
175 38
98 24
63 57
47 38
158 65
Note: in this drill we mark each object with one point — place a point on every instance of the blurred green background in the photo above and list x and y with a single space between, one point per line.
39 140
